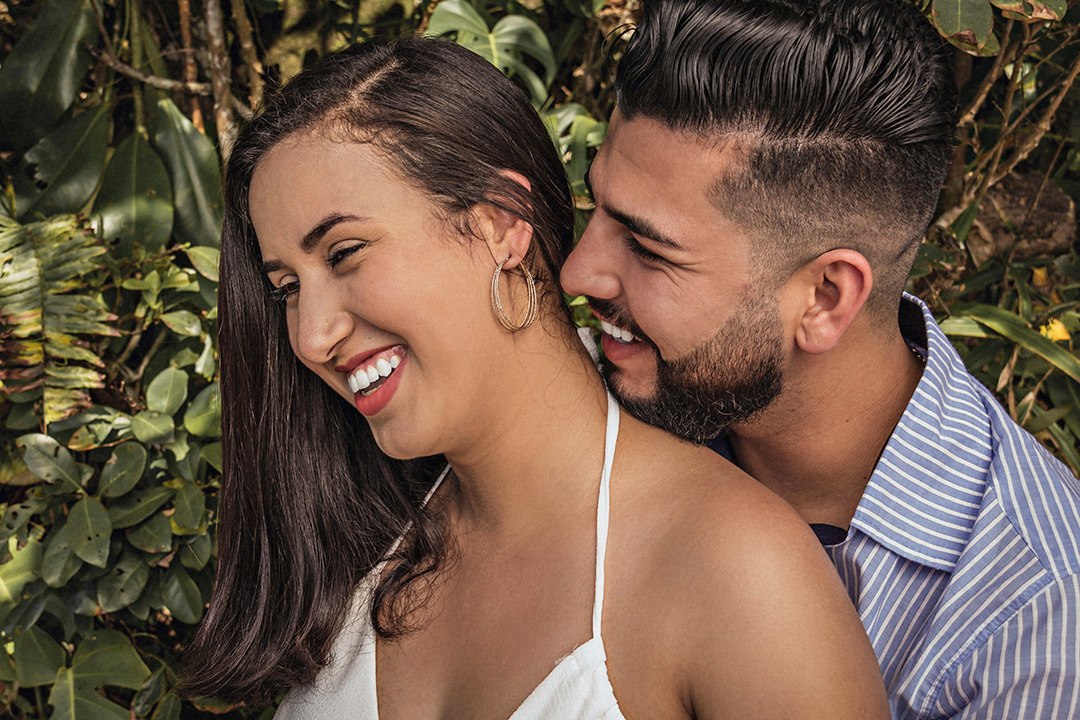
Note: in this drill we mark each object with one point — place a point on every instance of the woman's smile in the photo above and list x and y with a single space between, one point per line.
375 379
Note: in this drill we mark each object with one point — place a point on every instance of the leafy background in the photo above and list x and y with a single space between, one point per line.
114 118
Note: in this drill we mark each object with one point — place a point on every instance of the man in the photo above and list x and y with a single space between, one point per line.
760 198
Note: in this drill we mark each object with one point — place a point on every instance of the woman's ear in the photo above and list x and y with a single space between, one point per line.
507 235
835 286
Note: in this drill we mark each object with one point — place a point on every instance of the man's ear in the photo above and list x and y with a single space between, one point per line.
833 288
508 236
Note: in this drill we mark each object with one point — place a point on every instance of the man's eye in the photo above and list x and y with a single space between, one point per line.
283 292
642 252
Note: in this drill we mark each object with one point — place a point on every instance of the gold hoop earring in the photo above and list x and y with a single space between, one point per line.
496 301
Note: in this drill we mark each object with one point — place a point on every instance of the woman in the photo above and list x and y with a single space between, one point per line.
397 363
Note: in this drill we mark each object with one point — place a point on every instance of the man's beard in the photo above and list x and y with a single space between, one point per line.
725 381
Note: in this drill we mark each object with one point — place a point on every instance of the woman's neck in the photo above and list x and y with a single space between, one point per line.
538 445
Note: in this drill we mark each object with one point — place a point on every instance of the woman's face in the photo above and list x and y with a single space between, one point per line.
384 302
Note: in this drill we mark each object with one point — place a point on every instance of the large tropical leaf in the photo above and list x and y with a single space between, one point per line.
44 321
41 76
506 45
134 204
194 170
60 172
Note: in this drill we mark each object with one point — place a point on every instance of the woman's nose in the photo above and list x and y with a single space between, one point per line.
322 323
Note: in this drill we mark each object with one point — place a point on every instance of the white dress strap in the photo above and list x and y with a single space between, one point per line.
427 498
603 505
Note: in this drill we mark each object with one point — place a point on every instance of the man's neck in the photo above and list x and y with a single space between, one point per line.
818 444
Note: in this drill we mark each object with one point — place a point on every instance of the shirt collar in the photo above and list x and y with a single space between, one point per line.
925 492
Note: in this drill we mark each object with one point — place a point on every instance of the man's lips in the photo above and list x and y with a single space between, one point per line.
614 330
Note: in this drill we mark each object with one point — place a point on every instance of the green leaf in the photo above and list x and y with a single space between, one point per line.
37 657
60 563
108 658
152 427
206 363
203 415
65 166
195 551
1015 329
968 20
205 260
124 583
17 516
189 502
518 34
153 536
90 530
42 74
169 709
135 507
183 322
456 16
195 172
123 469
50 461
1039 9
18 571
212 455
150 693
504 46
134 204
167 391
182 596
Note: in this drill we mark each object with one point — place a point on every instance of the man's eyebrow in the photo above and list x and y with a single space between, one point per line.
641 227
312 238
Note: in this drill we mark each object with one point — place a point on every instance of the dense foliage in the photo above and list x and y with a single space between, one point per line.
114 116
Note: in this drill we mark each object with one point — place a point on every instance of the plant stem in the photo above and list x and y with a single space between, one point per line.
220 71
247 51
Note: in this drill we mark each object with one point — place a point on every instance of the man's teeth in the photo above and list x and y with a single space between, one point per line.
617 332
362 377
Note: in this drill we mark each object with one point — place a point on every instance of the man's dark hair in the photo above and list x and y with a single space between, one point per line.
841 114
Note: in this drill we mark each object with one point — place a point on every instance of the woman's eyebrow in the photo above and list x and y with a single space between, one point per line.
312 238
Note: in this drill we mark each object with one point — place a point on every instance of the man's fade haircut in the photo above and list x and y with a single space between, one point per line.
841 112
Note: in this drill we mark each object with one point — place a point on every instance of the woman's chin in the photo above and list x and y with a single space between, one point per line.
398 448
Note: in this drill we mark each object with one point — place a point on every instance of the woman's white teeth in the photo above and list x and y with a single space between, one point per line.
362 378
617 332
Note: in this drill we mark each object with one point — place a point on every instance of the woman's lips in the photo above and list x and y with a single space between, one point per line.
370 397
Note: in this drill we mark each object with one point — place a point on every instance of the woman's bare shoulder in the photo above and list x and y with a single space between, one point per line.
739 578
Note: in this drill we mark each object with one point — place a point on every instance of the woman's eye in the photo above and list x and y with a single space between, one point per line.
283 292
341 254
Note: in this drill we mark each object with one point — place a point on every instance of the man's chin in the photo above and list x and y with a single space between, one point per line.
627 389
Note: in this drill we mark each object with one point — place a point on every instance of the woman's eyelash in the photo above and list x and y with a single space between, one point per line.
284 292
642 252
339 256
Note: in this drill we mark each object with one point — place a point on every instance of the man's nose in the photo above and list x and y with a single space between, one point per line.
322 323
593 266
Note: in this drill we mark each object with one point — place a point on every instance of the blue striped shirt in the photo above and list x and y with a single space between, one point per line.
963 557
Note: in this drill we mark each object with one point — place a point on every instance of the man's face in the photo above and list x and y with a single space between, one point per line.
691 345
